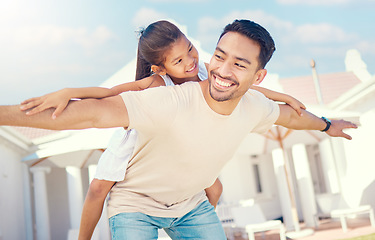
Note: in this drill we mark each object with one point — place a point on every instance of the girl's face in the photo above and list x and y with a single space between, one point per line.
181 61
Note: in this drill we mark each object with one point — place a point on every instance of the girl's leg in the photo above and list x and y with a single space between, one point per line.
93 207
214 192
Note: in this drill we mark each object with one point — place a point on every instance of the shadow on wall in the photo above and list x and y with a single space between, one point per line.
368 196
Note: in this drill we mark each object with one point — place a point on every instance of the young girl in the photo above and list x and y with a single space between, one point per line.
165 57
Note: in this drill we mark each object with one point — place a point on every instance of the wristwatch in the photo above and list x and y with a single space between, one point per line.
328 122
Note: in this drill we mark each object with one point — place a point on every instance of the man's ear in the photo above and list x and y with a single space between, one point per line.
260 75
158 70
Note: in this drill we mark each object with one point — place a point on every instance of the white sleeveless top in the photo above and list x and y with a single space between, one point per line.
114 160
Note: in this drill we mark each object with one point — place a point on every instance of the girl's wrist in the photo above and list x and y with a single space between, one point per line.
68 93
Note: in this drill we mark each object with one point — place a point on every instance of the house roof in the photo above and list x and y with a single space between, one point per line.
34 133
332 86
12 138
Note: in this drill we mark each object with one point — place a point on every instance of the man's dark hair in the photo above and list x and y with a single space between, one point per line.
256 33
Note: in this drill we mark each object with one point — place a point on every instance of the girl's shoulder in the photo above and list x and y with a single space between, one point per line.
150 82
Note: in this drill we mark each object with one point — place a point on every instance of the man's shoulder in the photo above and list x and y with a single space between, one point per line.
257 101
177 93
186 88
252 94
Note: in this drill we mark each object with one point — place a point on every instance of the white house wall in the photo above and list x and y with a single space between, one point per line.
12 208
236 179
58 203
238 182
358 181
331 178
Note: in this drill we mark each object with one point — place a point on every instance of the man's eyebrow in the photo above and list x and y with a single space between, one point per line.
220 50
243 60
238 58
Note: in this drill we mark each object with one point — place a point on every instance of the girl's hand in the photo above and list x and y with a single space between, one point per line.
296 105
58 100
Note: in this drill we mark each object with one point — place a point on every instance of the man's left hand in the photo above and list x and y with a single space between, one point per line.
337 127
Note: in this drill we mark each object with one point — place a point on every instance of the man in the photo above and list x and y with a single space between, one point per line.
186 135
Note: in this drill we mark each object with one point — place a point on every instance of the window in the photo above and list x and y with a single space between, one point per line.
258 184
316 169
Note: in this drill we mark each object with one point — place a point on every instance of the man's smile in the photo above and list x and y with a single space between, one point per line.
221 83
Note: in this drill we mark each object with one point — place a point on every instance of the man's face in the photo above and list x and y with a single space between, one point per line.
233 67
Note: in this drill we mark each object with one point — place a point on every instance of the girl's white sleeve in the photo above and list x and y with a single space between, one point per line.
114 160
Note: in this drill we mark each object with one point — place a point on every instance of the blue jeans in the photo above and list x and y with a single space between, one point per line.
200 223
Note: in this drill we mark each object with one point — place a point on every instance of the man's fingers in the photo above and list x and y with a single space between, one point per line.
347 136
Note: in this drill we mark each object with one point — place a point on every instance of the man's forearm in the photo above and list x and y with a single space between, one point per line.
290 119
81 114
13 116
308 121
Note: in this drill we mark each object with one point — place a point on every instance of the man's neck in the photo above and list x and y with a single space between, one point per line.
223 108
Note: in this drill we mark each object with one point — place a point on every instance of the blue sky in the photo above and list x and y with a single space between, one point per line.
48 45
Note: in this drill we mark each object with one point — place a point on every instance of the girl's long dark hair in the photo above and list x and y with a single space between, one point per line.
153 42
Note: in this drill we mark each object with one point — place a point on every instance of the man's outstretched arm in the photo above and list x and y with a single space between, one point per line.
88 113
289 118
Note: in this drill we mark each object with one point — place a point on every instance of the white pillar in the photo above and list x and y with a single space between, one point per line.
41 203
75 195
338 150
282 187
101 231
27 202
331 178
305 184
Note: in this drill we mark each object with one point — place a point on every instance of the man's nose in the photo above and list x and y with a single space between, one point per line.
225 70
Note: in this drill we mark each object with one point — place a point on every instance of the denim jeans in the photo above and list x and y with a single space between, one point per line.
200 223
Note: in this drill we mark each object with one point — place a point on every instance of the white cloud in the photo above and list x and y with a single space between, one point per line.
321 33
324 2
145 16
15 11
209 28
178 1
285 31
366 47
207 24
52 35
312 2
327 51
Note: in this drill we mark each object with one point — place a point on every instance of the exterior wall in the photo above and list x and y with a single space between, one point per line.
58 204
13 217
239 183
358 178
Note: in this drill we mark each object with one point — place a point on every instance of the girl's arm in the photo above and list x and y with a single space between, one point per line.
281 97
60 99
